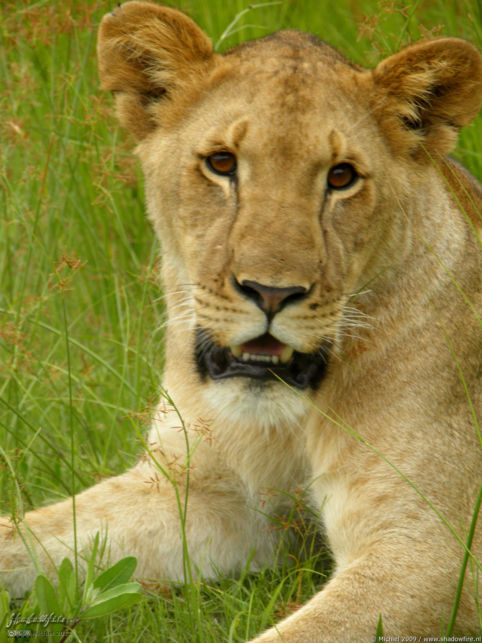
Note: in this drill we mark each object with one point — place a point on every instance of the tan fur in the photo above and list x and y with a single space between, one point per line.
387 443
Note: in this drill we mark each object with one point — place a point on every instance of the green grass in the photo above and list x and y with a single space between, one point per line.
81 312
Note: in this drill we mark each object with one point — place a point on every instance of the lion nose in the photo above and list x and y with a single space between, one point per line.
270 299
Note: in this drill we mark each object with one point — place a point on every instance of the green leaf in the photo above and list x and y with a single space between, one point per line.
67 584
126 588
117 574
113 599
4 608
89 576
46 595
379 632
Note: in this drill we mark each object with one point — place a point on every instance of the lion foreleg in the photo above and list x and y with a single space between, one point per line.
406 583
178 524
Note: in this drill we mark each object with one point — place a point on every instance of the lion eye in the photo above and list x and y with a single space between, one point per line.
342 176
223 163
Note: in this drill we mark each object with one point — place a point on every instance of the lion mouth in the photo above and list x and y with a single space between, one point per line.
262 358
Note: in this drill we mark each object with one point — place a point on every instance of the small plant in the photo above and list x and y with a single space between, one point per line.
59 609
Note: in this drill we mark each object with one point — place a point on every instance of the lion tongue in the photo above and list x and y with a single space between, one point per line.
263 349
264 345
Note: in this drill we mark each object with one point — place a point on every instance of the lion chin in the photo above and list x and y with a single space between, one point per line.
321 269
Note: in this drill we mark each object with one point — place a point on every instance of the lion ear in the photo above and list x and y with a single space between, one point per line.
147 52
425 93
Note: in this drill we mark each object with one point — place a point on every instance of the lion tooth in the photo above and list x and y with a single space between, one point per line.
286 354
235 350
254 357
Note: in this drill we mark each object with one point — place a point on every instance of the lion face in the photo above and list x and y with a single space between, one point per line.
279 179
270 223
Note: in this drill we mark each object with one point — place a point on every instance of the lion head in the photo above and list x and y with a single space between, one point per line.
281 180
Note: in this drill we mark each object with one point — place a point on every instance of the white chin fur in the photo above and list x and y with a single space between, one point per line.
268 405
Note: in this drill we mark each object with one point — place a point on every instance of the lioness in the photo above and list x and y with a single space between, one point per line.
321 265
